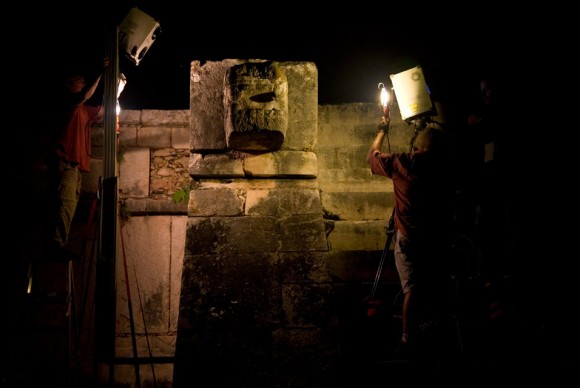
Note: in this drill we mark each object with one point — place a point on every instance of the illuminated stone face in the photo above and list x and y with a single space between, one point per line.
256 106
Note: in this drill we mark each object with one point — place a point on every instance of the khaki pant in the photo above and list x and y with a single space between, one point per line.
68 190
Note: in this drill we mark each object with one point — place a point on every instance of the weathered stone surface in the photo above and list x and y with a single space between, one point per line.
215 166
357 206
170 118
302 106
304 304
303 232
130 117
180 138
346 158
349 180
238 287
282 164
151 275
148 206
216 202
232 234
259 184
347 125
304 267
283 202
206 104
153 137
255 106
134 172
169 172
162 345
128 136
358 236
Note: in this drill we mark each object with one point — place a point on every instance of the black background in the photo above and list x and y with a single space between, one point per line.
354 46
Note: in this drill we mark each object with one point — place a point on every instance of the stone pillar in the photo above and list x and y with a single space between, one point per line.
256 284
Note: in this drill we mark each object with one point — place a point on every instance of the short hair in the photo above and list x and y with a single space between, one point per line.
431 139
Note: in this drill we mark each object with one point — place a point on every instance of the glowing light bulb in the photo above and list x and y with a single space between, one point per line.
384 95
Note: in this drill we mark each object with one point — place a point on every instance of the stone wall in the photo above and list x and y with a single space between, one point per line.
153 158
254 269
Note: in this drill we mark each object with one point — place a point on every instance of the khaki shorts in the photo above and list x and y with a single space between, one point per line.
404 262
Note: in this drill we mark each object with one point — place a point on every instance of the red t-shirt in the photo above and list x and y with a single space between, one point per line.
423 191
74 143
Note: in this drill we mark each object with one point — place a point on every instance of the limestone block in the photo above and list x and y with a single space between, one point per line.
154 137
282 164
180 138
134 172
147 245
305 306
215 166
232 234
303 232
283 202
130 117
302 267
359 206
349 180
358 235
138 206
128 136
152 117
218 201
302 106
178 225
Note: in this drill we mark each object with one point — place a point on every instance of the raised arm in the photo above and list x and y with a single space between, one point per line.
91 90
378 141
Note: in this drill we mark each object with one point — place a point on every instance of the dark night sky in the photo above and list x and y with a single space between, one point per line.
354 46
